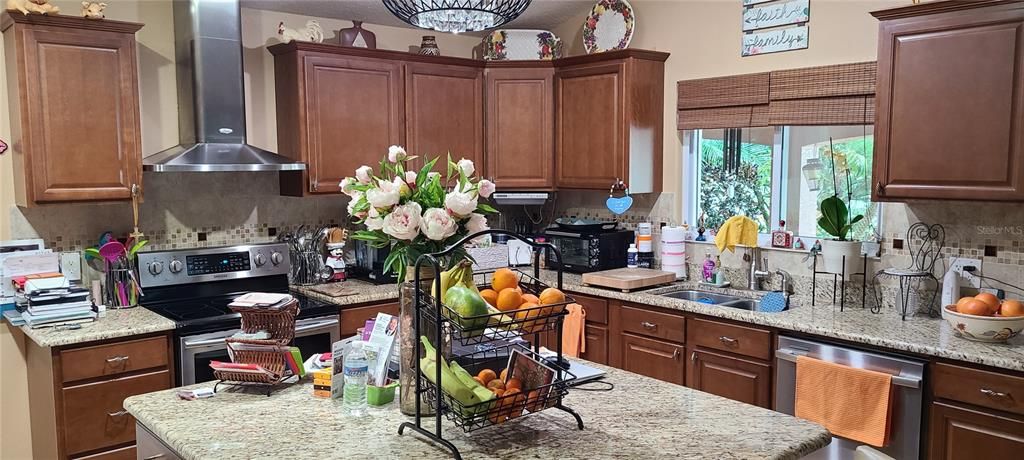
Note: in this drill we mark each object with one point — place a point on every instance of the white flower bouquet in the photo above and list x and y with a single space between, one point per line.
417 212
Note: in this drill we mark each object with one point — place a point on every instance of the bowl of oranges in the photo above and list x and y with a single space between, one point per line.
985 318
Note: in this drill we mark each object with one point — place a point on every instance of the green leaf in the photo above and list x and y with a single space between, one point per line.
856 219
451 167
485 208
834 217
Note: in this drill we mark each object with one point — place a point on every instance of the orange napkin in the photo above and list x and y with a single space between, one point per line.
573 342
851 403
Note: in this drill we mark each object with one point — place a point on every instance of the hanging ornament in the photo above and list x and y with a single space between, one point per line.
619 200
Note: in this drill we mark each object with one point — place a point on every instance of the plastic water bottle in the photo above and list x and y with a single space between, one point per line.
356 373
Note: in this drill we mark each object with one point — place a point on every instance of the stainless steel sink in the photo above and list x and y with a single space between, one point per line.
742 304
701 296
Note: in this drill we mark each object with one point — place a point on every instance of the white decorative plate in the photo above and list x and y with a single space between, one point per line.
504 44
609 26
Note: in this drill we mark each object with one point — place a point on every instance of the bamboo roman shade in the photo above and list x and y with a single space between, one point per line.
826 95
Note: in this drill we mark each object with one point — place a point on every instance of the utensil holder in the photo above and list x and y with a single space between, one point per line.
119 289
306 267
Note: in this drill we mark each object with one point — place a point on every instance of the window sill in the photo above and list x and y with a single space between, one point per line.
771 248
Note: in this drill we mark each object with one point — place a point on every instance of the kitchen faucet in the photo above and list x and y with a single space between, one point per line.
758 268
786 283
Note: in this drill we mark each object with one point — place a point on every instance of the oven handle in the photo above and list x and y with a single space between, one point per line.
203 343
312 325
789 354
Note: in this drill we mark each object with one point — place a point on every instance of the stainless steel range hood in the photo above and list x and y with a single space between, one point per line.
211 95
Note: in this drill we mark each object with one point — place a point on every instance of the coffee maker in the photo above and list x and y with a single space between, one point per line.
370 264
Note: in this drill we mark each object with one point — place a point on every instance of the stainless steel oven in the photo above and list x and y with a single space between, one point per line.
312 335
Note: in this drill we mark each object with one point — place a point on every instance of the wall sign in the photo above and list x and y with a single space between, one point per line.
774 41
776 14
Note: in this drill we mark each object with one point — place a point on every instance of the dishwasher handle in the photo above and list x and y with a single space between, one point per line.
789 354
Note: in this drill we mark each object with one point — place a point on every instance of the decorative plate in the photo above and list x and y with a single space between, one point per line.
609 26
509 45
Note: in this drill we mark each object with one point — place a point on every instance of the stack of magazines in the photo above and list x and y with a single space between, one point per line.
269 300
60 306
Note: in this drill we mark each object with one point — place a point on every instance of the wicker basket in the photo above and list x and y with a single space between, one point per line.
280 323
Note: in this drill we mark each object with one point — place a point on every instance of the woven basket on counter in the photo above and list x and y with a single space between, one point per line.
280 323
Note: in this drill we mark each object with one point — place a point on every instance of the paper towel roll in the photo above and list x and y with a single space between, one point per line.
673 251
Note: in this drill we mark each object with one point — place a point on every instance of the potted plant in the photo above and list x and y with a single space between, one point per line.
413 213
835 220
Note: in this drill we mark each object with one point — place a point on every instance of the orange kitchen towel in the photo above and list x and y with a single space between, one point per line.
573 342
851 403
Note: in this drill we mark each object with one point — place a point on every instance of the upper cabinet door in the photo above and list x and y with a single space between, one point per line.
950 103
590 141
75 110
354 110
444 112
520 128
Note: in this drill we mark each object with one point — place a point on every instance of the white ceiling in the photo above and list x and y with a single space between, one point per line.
542 14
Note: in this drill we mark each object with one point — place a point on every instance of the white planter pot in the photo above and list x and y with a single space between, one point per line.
832 251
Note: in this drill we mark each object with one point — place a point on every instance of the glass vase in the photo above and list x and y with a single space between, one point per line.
408 368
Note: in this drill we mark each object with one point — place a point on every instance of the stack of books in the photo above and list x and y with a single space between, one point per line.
50 307
272 301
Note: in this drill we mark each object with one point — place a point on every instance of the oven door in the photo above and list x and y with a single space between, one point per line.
312 335
579 252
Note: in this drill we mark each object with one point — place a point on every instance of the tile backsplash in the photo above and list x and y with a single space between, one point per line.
183 210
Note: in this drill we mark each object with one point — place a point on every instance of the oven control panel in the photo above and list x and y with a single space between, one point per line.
183 266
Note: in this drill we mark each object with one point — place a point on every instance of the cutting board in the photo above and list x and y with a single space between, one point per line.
628 279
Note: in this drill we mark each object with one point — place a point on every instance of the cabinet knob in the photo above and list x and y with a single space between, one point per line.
312 185
675 353
693 356
879 188
648 325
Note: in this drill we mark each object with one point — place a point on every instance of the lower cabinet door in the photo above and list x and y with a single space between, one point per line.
730 377
355 318
653 358
596 340
963 433
94 415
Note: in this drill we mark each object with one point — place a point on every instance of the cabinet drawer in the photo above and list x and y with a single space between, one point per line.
653 358
151 448
653 324
113 359
981 388
596 308
94 416
123 453
747 341
355 318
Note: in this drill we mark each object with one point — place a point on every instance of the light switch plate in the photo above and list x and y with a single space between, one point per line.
71 265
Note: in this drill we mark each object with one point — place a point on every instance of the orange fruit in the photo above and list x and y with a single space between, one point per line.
514 383
486 375
513 402
1010 308
530 298
490 296
962 301
974 307
533 401
504 278
527 311
496 384
498 392
481 382
504 374
550 296
991 300
509 299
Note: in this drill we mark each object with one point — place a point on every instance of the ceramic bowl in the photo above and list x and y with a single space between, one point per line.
982 328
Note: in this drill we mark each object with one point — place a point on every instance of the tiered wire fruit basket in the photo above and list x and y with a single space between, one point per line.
268 354
487 341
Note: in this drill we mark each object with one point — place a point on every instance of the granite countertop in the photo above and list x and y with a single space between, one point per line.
918 334
365 292
116 323
665 420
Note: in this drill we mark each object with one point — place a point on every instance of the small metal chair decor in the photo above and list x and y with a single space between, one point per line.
925 243
619 200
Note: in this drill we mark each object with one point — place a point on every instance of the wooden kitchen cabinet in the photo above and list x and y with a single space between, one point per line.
74 105
962 433
335 113
444 112
653 358
609 113
739 379
520 121
950 102
355 318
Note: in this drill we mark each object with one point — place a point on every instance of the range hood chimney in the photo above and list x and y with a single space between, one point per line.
211 95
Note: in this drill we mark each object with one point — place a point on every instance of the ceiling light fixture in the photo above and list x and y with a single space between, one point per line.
457 15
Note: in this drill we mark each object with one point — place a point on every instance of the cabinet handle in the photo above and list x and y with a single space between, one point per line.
120 413
693 356
312 185
728 340
879 188
994 394
675 353
153 457
648 325
117 359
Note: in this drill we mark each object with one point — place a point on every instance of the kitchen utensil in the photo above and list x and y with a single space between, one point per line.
628 279
136 247
136 191
585 225
112 251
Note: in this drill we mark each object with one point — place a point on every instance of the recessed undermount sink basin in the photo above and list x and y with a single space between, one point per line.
713 298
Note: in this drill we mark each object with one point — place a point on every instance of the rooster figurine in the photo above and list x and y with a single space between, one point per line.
311 33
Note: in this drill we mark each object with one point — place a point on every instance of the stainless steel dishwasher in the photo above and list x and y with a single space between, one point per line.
908 379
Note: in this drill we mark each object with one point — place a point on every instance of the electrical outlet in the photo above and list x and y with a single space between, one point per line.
71 265
967 279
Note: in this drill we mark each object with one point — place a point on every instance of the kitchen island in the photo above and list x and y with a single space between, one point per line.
640 418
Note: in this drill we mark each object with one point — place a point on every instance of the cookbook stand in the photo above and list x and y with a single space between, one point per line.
490 334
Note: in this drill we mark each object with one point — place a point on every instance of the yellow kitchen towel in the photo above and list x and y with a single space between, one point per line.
573 342
851 403
736 230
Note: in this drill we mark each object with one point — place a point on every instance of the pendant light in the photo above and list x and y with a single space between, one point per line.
457 15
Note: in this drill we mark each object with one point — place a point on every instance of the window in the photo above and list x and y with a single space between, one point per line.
779 173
